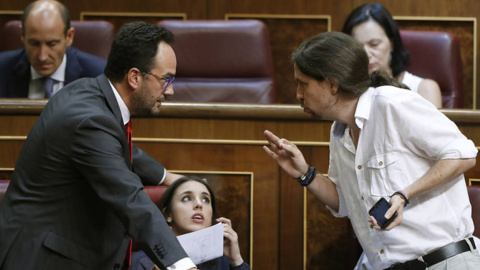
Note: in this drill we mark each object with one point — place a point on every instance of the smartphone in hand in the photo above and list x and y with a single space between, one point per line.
378 212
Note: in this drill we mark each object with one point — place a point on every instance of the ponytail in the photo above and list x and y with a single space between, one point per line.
381 78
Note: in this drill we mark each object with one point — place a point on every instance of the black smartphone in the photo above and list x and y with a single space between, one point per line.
378 212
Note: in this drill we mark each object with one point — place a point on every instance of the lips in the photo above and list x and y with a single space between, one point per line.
198 218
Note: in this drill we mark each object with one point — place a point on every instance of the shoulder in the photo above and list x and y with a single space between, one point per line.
86 60
430 90
428 85
388 96
12 57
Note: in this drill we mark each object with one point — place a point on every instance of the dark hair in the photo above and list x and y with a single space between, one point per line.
378 13
135 45
338 58
165 202
61 7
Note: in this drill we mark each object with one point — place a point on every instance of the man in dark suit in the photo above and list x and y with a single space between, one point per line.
47 36
76 196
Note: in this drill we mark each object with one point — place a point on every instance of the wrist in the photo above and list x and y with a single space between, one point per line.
308 177
236 262
403 195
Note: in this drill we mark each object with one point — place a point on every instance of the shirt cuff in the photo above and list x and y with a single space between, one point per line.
183 264
164 176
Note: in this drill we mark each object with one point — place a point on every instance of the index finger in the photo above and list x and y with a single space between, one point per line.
271 138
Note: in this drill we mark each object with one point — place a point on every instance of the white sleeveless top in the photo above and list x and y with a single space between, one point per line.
411 81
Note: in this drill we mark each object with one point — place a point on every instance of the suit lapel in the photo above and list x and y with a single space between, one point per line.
73 69
113 105
21 78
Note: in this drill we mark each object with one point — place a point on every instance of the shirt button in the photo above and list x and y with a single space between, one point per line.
380 163
371 226
382 251
363 198
359 167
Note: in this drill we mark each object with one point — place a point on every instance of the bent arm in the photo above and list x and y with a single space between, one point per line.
325 190
430 90
442 171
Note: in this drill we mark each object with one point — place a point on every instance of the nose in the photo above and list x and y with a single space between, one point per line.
169 91
299 94
43 53
368 50
198 204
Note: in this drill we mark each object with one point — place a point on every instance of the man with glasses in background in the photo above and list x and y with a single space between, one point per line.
76 196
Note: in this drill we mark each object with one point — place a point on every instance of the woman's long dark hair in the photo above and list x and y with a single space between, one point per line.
378 13
165 202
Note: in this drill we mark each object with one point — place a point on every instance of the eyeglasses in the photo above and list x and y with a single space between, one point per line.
169 81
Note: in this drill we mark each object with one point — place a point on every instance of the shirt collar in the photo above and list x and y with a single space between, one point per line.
123 107
58 75
362 113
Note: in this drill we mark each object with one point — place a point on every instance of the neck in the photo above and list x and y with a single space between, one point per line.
124 93
345 112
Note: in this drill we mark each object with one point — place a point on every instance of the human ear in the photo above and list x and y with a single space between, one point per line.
134 78
70 35
168 217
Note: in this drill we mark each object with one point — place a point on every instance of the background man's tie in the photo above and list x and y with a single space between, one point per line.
48 86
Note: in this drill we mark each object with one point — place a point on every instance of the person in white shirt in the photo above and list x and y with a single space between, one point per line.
386 142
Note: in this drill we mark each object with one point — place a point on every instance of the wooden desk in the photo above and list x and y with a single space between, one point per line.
280 225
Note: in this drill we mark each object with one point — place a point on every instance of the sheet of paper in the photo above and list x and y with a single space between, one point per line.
203 245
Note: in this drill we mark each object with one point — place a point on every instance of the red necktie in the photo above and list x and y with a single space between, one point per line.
129 136
128 257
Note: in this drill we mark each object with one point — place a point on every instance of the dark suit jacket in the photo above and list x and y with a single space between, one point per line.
75 198
15 70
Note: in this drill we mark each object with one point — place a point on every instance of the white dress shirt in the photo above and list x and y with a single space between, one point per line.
35 89
402 135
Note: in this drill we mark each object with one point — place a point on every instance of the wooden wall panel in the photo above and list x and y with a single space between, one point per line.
118 19
194 9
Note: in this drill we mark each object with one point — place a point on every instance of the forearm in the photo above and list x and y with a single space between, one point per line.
442 171
325 191
170 178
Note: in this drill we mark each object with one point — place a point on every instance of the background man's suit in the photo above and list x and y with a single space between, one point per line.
15 70
74 199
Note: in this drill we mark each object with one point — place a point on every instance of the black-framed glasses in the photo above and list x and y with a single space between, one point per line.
169 81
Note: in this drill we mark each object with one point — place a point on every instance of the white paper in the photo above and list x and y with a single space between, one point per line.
203 245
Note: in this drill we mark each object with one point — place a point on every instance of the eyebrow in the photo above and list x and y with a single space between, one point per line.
191 192
298 80
169 74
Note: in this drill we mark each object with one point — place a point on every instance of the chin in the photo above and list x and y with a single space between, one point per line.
155 110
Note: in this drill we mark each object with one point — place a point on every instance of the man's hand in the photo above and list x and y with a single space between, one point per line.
287 155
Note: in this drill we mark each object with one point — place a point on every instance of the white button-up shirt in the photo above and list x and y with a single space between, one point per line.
36 90
402 135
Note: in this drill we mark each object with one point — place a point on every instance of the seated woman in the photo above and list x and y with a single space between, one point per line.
374 27
189 205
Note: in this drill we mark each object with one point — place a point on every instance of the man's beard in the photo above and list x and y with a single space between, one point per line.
141 104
